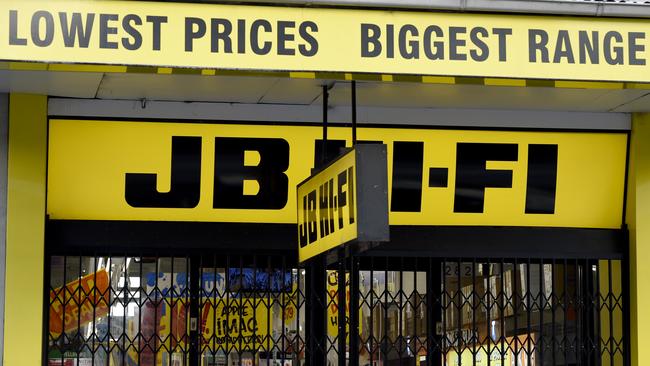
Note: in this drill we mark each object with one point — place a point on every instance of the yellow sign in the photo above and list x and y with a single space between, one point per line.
313 39
326 208
238 324
102 170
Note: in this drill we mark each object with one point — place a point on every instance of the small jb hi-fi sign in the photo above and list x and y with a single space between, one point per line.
345 203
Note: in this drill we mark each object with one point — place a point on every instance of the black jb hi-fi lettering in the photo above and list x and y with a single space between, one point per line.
406 191
323 208
345 178
309 229
541 182
140 188
472 177
327 205
230 173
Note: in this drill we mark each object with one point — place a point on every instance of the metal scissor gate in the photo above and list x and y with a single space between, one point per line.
175 310
221 309
477 311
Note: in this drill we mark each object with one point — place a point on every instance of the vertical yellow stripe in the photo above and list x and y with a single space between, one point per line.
611 312
638 217
603 302
25 230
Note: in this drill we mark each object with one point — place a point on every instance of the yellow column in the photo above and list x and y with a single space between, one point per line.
638 221
26 180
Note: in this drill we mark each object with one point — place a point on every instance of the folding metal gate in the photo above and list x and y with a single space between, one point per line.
194 310
473 311
252 310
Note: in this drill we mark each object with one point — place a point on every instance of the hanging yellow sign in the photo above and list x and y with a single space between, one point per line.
315 39
338 182
345 203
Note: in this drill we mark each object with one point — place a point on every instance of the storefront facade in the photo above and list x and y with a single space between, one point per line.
153 152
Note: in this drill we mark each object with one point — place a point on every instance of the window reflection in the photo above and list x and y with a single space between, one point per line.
138 311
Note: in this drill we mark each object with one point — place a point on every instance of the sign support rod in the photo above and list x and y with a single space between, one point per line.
323 159
354 112
316 276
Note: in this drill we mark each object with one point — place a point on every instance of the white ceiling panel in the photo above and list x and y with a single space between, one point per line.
473 96
293 91
615 99
66 84
185 87
308 92
641 104
204 111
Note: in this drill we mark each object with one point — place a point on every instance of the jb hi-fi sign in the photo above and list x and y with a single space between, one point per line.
270 174
345 203
243 173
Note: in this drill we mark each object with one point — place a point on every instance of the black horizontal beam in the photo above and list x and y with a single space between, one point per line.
176 237
78 236
503 242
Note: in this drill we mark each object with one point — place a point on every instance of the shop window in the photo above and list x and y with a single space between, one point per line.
218 310
223 310
503 312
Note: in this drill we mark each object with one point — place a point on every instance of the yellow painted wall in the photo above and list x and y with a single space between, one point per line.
638 217
26 217
25 230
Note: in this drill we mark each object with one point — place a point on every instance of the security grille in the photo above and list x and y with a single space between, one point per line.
176 311
251 310
517 312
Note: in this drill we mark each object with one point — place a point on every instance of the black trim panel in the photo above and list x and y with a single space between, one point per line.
504 242
173 237
78 236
